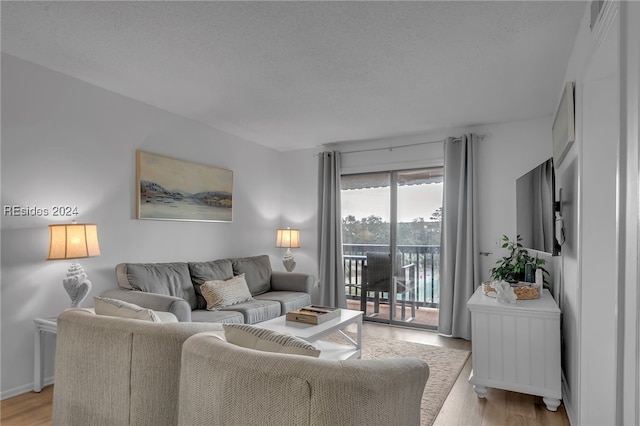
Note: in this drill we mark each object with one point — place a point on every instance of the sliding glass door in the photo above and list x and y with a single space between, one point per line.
391 236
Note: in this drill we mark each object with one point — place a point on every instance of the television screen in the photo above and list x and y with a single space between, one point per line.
535 209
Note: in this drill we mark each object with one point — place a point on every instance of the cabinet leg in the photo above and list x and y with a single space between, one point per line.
551 403
480 390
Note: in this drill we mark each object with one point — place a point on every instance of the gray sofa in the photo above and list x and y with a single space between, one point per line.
175 287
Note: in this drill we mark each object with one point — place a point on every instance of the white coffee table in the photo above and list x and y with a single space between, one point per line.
313 333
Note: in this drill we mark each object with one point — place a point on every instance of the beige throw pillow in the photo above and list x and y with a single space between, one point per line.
119 308
222 293
261 339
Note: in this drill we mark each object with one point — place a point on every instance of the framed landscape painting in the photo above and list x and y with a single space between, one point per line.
173 189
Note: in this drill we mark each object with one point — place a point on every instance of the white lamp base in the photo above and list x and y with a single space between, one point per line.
288 262
76 284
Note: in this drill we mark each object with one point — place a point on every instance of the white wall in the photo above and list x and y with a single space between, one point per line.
65 142
567 178
598 253
509 151
599 177
299 208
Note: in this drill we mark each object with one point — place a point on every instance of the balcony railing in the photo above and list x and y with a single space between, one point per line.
426 258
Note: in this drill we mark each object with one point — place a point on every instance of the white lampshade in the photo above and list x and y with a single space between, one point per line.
288 238
73 241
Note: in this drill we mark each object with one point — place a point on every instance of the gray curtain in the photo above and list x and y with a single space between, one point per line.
332 291
459 272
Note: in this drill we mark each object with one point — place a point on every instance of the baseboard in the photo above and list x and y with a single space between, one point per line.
567 400
10 393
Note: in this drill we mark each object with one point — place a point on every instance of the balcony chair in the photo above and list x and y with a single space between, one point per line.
377 278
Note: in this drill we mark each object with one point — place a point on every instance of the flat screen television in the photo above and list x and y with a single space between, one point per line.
535 209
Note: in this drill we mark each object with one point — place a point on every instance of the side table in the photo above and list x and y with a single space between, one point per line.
516 347
43 325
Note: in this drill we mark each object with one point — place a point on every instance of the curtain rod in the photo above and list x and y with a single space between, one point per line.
391 148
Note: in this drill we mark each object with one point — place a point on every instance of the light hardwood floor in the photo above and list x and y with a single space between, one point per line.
461 407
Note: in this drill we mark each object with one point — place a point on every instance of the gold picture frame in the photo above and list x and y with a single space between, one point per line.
172 189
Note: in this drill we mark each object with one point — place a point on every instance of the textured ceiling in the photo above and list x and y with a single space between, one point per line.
293 75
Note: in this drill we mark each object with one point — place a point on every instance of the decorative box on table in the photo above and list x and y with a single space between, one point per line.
313 314
522 290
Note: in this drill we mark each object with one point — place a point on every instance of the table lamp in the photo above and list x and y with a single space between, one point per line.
74 241
289 238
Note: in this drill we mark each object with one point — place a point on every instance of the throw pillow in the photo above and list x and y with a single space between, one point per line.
222 293
202 272
261 339
119 308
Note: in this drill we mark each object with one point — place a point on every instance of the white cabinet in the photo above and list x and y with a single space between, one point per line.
516 347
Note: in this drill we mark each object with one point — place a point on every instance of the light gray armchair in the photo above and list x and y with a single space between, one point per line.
117 371
225 384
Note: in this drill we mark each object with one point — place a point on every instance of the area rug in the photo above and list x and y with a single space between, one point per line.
445 365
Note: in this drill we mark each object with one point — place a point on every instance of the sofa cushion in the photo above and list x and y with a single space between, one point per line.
119 308
202 272
289 300
222 293
171 279
257 270
255 311
265 340
224 317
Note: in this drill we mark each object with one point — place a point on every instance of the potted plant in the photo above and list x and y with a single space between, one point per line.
511 268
